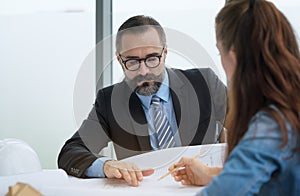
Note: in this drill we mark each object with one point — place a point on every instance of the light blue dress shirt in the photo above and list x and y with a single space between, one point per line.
96 169
258 165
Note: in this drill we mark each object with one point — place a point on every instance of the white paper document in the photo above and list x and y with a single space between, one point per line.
212 155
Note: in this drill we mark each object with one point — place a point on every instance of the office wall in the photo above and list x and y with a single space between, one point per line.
41 54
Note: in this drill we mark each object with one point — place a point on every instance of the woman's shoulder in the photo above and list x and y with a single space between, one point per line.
265 129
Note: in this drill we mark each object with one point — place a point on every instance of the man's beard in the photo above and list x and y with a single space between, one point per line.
146 88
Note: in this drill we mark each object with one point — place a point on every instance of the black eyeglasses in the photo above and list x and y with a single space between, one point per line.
135 64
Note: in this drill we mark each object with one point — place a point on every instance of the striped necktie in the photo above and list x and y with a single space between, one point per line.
164 134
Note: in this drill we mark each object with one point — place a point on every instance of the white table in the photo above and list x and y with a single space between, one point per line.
56 182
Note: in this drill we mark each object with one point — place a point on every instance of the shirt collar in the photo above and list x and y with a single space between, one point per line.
163 93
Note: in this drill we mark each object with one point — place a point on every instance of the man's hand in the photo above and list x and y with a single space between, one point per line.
128 171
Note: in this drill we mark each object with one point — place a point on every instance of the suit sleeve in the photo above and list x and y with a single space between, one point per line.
82 149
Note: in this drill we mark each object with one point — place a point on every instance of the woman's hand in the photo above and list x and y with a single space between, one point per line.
193 172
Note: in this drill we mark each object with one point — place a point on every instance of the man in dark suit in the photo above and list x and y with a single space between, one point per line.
192 101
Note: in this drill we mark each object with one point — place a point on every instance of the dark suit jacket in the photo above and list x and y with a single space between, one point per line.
199 100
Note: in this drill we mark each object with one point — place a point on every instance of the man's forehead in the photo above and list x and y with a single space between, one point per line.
134 41
142 50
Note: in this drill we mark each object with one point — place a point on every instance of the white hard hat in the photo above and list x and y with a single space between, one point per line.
17 157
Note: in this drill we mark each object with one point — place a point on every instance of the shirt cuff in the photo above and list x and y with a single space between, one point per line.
96 169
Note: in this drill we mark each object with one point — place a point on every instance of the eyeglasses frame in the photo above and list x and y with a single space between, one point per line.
140 60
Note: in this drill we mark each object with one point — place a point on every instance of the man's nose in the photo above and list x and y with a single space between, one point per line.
143 70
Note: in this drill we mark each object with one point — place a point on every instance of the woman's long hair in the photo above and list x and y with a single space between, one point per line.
268 66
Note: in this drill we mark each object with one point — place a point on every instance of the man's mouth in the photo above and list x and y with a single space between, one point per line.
145 83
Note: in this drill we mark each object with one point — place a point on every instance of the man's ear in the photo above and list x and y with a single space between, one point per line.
166 51
118 57
119 60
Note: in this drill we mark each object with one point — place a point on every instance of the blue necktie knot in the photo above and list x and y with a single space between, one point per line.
155 100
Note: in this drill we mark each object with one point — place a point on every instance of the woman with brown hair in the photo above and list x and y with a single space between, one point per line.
260 55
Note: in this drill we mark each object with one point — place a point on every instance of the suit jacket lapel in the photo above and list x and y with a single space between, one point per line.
176 87
130 117
185 104
139 122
